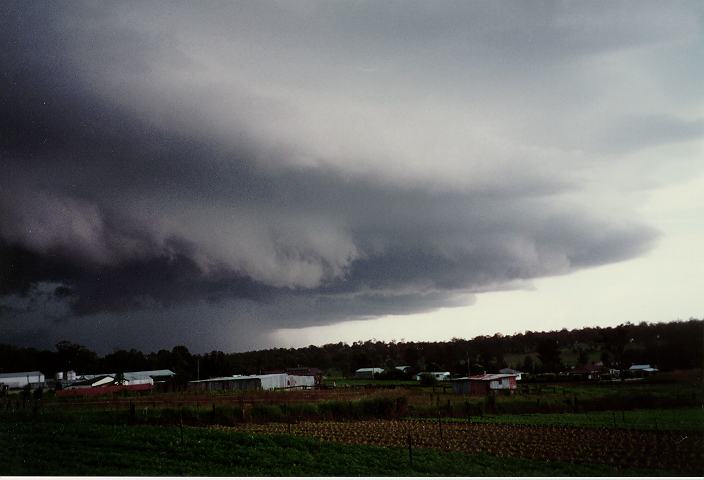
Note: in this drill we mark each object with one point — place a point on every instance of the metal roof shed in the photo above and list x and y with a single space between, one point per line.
21 379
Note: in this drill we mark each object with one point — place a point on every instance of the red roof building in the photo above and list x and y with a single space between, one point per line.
483 384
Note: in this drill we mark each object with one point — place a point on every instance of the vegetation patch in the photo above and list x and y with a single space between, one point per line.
50 446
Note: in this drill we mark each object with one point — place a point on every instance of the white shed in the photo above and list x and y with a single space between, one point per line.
21 379
300 381
439 376
135 378
272 381
368 372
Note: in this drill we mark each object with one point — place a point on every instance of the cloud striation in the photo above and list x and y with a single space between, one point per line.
204 174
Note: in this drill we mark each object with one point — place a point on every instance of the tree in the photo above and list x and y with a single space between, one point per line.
75 357
528 364
428 380
606 358
583 357
549 355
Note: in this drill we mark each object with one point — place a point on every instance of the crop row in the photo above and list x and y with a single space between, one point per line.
622 448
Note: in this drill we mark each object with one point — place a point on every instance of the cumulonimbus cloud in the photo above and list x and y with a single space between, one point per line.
153 162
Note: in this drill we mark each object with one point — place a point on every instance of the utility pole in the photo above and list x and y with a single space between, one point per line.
198 368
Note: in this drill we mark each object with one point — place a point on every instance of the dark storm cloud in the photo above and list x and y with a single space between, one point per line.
146 188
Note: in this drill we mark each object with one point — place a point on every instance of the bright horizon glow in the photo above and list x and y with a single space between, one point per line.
663 285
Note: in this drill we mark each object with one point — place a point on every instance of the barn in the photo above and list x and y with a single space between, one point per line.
22 379
483 384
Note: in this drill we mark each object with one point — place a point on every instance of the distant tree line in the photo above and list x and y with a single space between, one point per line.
671 345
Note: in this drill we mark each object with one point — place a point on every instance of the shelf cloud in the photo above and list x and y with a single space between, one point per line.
183 174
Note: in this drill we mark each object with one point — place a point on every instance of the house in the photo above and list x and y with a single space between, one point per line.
484 384
368 372
512 372
22 379
439 376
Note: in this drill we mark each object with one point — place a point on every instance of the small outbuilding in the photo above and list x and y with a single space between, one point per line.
484 384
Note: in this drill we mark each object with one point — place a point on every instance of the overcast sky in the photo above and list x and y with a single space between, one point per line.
238 175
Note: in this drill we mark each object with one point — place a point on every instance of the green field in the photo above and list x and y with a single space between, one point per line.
140 435
680 419
98 445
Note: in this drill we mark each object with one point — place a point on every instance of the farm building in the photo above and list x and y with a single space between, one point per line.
439 376
99 381
105 389
69 376
132 379
316 373
155 375
483 384
643 369
237 382
512 371
367 372
145 377
272 381
305 371
22 379
301 381
588 372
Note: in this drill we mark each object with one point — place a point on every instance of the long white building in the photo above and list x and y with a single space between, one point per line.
273 381
21 379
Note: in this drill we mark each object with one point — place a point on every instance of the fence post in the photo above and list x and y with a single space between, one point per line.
180 421
410 449
440 424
